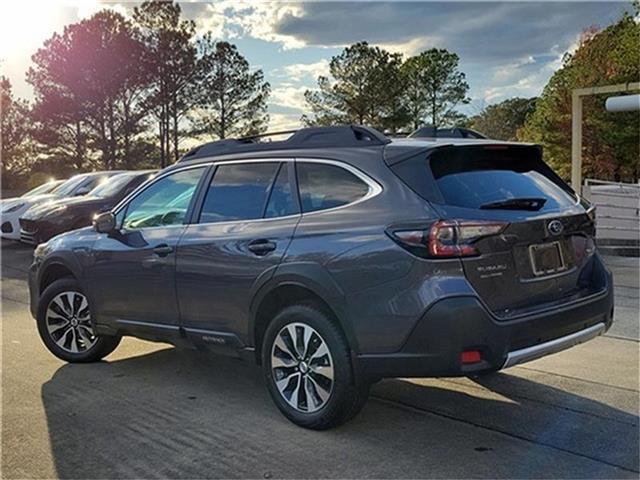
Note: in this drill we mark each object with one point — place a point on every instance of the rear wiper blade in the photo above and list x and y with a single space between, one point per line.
533 204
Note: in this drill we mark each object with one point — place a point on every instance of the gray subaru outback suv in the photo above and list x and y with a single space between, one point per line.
333 259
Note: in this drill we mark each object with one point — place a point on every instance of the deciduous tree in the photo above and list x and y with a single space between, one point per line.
503 120
611 141
15 154
89 84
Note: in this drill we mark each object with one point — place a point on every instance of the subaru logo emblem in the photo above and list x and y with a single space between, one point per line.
555 227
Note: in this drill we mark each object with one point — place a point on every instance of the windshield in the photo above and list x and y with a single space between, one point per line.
112 186
67 187
44 188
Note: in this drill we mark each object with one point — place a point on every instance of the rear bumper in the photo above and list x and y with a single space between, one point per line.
553 346
455 324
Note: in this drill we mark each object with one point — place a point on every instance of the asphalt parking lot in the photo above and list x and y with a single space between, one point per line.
151 410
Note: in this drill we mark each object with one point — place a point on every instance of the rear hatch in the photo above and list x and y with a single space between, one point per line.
541 257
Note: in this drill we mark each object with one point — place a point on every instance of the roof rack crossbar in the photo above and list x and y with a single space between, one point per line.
268 134
311 137
429 131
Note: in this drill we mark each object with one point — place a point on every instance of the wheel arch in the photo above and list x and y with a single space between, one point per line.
55 269
290 288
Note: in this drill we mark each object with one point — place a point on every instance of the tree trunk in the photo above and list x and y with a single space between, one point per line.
161 138
176 152
433 114
112 138
79 153
103 141
223 118
127 135
223 107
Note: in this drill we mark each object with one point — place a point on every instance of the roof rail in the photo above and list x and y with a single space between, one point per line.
429 131
311 137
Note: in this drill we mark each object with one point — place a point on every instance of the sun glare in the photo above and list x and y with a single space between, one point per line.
25 24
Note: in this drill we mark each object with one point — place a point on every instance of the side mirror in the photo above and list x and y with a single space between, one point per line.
104 222
82 191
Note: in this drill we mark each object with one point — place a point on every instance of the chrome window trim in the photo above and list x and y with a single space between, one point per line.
233 222
374 188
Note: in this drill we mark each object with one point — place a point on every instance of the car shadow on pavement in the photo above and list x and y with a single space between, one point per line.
186 414
525 409
16 265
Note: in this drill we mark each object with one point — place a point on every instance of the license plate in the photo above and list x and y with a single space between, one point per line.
546 258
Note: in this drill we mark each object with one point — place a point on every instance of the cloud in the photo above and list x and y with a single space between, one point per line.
284 121
489 32
413 46
301 71
506 49
523 85
207 17
289 96
508 71
527 77
238 18
86 8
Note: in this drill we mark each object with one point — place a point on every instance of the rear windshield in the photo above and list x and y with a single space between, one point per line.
479 177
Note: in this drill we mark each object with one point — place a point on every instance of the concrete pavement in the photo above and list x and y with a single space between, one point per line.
151 410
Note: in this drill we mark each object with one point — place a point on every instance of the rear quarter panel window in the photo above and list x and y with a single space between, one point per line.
324 186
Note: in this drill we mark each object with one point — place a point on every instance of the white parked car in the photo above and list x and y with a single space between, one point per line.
11 209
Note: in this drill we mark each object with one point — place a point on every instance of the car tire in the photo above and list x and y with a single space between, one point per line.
64 324
304 346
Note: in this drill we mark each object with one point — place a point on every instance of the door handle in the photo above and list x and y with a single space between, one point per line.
262 247
162 250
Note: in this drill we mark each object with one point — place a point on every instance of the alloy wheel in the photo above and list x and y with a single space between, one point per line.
68 322
302 367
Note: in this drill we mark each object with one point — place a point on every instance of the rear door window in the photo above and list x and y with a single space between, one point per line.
238 192
324 186
487 178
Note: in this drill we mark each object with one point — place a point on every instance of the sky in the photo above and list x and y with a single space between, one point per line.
506 49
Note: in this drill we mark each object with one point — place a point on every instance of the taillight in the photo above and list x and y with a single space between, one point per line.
447 238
